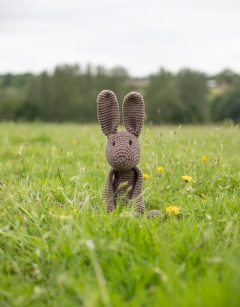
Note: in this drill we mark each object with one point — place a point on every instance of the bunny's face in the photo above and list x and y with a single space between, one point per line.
123 151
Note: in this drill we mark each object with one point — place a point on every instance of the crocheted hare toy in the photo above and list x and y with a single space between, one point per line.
124 181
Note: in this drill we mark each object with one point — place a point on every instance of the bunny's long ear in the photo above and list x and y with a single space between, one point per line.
133 113
108 112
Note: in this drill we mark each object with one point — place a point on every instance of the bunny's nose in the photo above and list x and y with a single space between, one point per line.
121 157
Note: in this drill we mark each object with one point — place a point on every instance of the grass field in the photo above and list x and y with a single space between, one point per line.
52 253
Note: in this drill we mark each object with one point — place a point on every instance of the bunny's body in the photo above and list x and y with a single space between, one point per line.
124 186
120 189
123 149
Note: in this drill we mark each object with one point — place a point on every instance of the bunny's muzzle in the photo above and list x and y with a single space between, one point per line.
123 151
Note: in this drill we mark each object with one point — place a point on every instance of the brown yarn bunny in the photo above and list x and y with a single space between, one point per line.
124 181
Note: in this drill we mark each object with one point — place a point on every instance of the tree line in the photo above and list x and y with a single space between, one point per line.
68 94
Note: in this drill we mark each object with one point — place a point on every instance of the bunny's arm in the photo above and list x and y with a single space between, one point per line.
108 191
137 190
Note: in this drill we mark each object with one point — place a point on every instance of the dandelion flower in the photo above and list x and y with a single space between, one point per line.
146 176
204 158
173 209
160 168
187 178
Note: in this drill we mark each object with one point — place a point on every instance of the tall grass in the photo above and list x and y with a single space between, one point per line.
59 247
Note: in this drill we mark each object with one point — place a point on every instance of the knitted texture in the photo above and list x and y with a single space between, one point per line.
123 151
133 113
108 109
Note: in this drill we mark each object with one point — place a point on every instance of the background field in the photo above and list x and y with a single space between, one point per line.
52 253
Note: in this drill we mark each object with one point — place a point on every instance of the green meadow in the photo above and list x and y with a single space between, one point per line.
59 246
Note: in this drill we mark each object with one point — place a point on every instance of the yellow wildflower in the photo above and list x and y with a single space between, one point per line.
146 176
204 158
187 178
173 209
160 168
74 142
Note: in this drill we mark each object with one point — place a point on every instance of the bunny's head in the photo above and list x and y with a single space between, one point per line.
123 148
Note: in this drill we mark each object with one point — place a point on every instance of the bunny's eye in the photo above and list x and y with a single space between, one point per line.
113 143
130 142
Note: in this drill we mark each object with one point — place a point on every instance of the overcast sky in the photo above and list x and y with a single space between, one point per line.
140 35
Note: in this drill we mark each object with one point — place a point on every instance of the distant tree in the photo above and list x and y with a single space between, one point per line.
27 111
8 110
226 77
6 80
163 104
193 91
70 94
227 105
16 81
119 72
